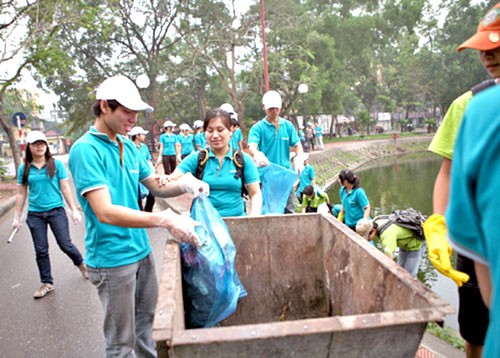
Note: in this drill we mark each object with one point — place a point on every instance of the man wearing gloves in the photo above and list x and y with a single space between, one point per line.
473 314
271 138
107 169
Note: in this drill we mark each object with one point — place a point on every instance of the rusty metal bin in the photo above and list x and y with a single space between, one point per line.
315 289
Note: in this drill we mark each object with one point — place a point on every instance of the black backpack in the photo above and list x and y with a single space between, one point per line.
409 218
238 162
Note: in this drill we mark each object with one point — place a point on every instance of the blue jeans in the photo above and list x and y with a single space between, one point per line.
58 221
128 297
410 260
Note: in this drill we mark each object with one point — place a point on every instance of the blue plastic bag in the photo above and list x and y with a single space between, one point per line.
211 285
277 183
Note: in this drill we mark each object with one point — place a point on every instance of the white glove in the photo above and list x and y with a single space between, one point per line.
189 184
260 159
76 216
180 226
299 163
16 222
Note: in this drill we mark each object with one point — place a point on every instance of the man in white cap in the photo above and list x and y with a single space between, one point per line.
200 141
237 137
107 169
271 138
138 136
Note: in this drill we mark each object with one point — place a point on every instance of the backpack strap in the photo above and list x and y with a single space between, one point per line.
202 161
482 86
382 228
239 163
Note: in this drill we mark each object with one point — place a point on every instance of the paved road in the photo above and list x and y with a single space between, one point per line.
65 323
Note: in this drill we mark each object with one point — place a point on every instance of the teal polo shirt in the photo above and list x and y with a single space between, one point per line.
95 163
44 193
225 189
306 178
145 151
236 138
186 143
318 131
275 142
168 141
354 204
200 140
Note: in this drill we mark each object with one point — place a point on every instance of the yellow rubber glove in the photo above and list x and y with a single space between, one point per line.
341 217
439 250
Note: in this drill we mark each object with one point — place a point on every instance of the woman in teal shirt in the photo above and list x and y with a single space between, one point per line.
45 181
220 169
168 148
355 204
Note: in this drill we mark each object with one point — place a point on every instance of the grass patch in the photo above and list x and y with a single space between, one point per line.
447 335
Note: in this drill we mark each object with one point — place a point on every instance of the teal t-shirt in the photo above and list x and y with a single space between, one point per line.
275 143
168 141
318 131
145 151
225 189
200 140
354 204
97 162
236 138
186 143
306 178
44 193
472 214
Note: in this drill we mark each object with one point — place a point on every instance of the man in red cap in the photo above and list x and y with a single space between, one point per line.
473 314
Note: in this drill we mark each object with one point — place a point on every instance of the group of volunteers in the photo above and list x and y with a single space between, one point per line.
114 174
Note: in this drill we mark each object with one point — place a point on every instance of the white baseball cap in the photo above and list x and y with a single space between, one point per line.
35 136
169 123
124 91
198 124
184 127
137 130
271 99
228 108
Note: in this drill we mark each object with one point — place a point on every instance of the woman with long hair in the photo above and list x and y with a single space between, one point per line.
355 204
44 180
220 170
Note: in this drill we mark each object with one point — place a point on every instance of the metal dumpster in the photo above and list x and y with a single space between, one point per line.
315 289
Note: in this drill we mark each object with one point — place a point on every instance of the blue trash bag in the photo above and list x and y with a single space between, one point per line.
211 285
277 183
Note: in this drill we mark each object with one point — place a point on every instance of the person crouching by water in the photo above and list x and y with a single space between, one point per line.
45 181
355 204
220 169
392 237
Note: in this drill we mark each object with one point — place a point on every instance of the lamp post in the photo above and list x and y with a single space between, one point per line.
303 88
142 81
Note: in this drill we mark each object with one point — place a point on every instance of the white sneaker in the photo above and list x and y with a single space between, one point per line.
43 290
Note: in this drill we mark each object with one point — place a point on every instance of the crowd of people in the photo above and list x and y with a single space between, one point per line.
113 173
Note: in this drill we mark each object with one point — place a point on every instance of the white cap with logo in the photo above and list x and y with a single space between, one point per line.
271 99
169 123
124 91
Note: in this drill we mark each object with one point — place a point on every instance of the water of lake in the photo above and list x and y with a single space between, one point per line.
399 183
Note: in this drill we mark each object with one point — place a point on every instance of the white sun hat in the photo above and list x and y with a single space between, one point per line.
169 123
184 127
228 108
137 130
124 91
198 124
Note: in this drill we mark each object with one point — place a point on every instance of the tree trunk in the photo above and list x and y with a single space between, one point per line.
16 153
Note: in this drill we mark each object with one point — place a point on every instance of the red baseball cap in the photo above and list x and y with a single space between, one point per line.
487 36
